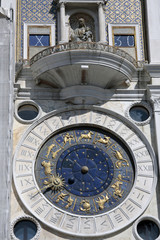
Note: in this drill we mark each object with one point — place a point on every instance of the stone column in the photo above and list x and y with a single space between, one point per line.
62 22
102 31
153 29
155 99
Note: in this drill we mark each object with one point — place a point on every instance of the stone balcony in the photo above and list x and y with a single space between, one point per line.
89 63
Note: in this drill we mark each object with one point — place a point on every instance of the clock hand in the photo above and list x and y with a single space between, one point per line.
45 187
56 183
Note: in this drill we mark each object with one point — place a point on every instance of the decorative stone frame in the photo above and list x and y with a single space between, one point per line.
25 36
147 217
141 104
137 36
64 14
25 217
30 102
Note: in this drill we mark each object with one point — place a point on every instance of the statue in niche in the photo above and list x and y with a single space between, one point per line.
82 33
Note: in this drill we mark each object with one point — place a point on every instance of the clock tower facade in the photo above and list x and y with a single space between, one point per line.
86 118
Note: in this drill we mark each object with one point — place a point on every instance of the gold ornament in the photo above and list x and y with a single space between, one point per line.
49 149
67 138
104 140
86 136
102 201
54 154
121 161
56 183
70 201
85 206
47 167
117 187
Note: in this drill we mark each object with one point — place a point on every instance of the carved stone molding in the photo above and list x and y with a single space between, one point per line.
154 95
140 104
22 218
144 218
84 1
155 99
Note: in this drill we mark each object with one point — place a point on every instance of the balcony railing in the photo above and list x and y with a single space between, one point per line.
85 46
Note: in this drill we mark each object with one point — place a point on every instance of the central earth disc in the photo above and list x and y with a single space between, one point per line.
84 169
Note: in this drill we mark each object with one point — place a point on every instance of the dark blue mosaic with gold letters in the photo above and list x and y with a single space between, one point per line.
84 170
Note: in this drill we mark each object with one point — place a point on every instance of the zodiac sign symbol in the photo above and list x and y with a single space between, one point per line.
67 138
117 185
54 154
47 167
70 201
49 149
102 201
85 206
61 197
86 136
104 140
121 161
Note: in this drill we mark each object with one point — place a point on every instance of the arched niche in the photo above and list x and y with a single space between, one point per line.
74 24
93 9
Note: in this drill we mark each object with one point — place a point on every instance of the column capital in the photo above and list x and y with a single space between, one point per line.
102 3
154 95
61 3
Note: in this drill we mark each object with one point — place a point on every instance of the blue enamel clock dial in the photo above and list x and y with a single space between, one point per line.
84 170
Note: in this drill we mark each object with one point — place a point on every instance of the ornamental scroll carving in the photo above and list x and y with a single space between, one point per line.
156 101
82 28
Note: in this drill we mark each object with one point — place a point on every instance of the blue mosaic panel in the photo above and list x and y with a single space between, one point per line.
39 40
37 11
116 11
124 12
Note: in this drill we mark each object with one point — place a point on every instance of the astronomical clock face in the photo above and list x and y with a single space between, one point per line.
85 173
84 170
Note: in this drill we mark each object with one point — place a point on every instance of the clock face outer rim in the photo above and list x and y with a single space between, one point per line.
104 113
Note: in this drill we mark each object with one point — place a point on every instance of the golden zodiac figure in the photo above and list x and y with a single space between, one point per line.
49 149
54 154
121 161
61 197
47 167
56 183
86 136
117 187
104 140
102 201
85 206
67 138
70 201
